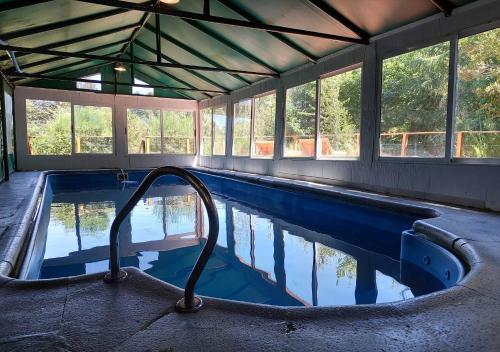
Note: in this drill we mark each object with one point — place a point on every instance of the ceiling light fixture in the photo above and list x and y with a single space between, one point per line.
120 67
170 2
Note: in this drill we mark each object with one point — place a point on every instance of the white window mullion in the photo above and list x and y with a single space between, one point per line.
161 133
317 144
452 98
73 139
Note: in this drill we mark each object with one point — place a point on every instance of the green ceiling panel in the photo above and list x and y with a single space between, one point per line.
180 73
75 31
212 48
182 56
82 46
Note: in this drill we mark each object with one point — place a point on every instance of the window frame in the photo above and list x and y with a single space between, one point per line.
162 148
215 107
251 154
463 34
318 118
143 82
251 99
89 77
193 113
448 157
450 97
73 128
211 135
252 125
283 131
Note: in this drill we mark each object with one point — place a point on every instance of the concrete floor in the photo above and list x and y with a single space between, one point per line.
85 314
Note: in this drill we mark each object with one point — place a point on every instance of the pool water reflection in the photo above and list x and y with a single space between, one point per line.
258 258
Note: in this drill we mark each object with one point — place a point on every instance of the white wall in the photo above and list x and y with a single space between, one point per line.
472 182
119 158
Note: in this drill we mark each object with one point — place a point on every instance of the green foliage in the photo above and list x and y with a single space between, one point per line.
301 110
479 93
206 131
49 127
414 90
265 111
178 132
241 128
340 109
143 126
94 129
219 125
93 218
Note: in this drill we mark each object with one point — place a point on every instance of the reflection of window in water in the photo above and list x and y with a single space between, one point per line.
242 233
93 218
221 212
76 226
299 255
263 245
335 275
146 221
398 291
180 214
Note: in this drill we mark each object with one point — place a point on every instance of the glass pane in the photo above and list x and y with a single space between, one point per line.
414 103
299 257
241 128
263 128
206 131
93 129
477 127
143 131
242 236
340 115
178 132
142 90
220 131
49 127
88 85
300 121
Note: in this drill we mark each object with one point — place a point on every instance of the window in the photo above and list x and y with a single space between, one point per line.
263 126
340 115
206 132
143 131
49 127
477 121
93 129
142 90
241 127
414 103
178 132
88 85
300 121
219 134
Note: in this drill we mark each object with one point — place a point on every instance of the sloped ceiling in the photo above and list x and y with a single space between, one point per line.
97 28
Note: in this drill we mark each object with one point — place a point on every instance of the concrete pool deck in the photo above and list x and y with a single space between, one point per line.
85 314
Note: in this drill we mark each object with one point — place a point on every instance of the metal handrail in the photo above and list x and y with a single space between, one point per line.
189 303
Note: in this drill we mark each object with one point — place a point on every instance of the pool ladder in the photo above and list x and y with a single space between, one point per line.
190 302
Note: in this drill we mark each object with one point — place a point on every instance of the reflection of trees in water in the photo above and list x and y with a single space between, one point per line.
241 222
175 209
346 265
94 217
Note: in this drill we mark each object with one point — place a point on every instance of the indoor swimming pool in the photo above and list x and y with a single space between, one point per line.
275 246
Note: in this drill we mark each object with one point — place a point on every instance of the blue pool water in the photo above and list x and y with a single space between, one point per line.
275 246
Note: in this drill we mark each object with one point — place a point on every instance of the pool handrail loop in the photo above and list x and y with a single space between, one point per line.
189 303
